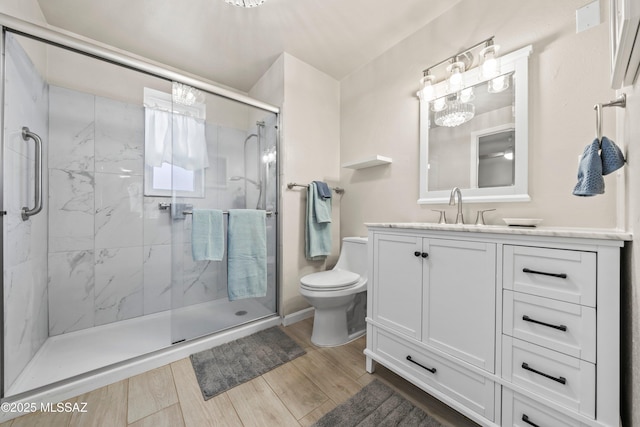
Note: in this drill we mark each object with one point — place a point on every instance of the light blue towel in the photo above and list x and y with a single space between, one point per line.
612 157
247 254
207 235
590 180
317 234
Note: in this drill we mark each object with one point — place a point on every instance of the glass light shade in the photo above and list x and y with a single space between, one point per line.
439 104
455 114
427 91
466 95
489 67
456 81
498 84
245 3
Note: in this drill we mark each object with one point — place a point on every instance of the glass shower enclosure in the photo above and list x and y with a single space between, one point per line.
103 165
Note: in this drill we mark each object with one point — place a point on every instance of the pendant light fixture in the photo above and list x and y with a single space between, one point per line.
245 3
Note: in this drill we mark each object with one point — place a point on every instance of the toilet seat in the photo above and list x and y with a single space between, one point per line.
331 280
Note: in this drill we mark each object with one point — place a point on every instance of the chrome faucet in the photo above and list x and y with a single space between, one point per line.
452 201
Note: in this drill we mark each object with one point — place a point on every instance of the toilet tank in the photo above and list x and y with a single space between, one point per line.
353 255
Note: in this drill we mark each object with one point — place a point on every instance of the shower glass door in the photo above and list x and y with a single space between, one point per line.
102 166
223 158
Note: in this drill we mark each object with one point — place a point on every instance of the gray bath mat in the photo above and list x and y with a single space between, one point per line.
221 368
377 405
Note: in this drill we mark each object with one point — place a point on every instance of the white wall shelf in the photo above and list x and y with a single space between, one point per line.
368 162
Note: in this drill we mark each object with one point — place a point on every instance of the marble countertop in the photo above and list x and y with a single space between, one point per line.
585 233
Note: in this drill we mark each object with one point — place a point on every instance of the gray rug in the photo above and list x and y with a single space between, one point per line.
377 405
228 365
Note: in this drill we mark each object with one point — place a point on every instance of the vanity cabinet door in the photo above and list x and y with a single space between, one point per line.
397 283
459 300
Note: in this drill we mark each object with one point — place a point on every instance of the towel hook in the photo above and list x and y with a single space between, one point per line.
620 101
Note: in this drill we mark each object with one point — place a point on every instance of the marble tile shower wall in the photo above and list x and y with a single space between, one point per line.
25 256
110 247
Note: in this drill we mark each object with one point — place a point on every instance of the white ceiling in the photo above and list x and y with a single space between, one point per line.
235 46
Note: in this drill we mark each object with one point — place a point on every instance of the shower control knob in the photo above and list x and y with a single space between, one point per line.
416 253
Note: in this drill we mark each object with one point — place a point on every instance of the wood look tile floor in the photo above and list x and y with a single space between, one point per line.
295 394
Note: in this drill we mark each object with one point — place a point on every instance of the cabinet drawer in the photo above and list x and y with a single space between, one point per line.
520 411
561 326
553 273
474 391
561 378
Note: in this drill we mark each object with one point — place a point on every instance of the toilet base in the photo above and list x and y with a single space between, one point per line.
330 328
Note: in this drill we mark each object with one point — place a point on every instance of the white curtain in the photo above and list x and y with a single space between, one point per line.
175 139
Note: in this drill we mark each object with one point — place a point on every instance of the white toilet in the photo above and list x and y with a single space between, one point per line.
332 292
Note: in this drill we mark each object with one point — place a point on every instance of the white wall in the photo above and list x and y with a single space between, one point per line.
310 150
569 73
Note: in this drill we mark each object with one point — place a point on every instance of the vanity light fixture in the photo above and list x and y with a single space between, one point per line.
454 107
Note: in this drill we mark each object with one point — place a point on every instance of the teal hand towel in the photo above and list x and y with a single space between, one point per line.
207 235
247 254
317 234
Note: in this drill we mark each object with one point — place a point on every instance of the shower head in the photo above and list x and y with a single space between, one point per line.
242 178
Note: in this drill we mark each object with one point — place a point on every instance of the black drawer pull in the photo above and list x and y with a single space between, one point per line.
560 327
560 275
525 418
424 254
432 370
561 380
416 253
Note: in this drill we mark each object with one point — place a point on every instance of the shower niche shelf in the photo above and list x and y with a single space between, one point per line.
368 162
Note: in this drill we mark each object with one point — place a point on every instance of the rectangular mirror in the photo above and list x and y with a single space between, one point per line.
477 139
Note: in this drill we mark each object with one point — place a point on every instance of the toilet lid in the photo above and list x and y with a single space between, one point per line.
330 280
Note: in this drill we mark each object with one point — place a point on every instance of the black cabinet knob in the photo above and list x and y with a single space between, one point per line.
416 253
424 254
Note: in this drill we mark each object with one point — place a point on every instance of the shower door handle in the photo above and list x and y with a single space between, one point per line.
26 212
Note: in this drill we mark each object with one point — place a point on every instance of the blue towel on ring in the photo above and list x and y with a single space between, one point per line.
207 235
247 254
590 180
612 157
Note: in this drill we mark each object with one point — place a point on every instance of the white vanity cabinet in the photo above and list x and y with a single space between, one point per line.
508 326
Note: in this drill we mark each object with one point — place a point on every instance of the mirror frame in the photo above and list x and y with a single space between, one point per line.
516 62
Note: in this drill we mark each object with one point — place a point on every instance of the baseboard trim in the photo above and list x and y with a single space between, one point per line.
292 318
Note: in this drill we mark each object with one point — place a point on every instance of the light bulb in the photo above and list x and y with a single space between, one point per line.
466 95
427 91
455 82
498 84
439 104
489 68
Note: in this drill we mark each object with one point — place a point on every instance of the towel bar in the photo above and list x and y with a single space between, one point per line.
167 206
293 184
268 213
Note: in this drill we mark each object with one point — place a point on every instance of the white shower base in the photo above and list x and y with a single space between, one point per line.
76 353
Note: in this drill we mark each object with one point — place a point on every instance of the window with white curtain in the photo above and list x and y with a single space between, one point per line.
175 154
